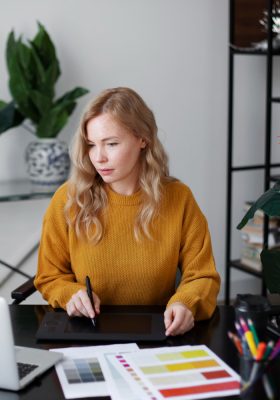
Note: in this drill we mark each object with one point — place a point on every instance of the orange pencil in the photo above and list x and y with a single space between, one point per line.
236 342
260 351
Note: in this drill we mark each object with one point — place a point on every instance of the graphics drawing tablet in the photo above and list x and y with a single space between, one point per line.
110 326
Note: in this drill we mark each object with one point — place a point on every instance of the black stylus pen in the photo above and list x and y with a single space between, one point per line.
89 293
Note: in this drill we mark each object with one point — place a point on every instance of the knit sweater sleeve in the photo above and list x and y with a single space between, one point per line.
55 278
200 282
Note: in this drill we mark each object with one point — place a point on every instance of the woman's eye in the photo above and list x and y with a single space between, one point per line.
112 144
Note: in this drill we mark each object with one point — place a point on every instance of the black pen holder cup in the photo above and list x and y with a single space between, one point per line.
253 307
260 380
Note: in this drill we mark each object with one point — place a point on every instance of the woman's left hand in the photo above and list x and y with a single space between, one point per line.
178 319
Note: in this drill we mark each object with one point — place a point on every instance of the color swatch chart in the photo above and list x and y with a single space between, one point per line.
82 370
180 373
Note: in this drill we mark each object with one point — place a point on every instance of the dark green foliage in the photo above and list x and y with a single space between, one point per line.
33 72
9 116
269 202
271 269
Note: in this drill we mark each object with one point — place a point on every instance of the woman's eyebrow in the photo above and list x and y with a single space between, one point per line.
88 141
110 138
105 139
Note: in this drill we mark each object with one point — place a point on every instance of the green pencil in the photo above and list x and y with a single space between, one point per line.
253 330
269 348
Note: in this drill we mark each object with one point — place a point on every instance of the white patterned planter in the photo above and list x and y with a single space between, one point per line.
48 163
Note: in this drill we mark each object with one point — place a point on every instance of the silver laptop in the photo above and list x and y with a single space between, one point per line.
20 365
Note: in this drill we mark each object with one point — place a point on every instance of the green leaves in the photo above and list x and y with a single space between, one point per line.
271 269
72 95
18 56
9 116
57 116
51 123
45 50
269 202
33 72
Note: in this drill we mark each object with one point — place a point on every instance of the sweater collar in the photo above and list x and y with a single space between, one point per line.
122 199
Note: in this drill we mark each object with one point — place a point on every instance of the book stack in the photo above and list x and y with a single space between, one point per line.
252 238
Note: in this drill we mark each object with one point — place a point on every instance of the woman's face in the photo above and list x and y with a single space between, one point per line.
115 153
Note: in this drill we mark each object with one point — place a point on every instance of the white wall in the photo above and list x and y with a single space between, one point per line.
173 52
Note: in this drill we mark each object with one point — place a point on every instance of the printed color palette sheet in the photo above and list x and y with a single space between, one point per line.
84 372
178 373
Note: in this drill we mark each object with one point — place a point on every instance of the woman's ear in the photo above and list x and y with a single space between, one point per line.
143 143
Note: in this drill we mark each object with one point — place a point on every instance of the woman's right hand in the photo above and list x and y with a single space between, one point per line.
80 306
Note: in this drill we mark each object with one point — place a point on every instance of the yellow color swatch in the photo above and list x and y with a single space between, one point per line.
182 355
192 365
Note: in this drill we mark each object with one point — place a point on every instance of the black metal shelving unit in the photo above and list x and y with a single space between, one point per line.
267 166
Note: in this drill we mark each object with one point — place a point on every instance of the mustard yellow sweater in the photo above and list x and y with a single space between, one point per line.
124 271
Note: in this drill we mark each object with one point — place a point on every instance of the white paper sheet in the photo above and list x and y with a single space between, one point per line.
84 371
177 373
120 388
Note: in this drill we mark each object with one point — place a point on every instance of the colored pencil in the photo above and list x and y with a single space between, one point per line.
239 330
253 330
244 325
260 351
251 343
236 341
276 350
268 350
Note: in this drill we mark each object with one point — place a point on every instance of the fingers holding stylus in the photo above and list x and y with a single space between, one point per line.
80 305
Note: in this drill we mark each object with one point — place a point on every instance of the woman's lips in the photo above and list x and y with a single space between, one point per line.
105 171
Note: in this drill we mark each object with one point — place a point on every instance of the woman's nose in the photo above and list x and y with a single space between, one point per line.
100 155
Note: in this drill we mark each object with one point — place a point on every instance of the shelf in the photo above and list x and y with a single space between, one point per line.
275 178
21 190
244 268
256 166
251 51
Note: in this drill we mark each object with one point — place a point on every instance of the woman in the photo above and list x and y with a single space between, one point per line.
124 222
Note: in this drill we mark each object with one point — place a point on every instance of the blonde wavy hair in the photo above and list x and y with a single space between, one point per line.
87 197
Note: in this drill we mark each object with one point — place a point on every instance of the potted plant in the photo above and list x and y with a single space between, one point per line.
269 203
33 70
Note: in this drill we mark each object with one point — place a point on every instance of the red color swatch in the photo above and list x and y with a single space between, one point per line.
214 387
216 374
